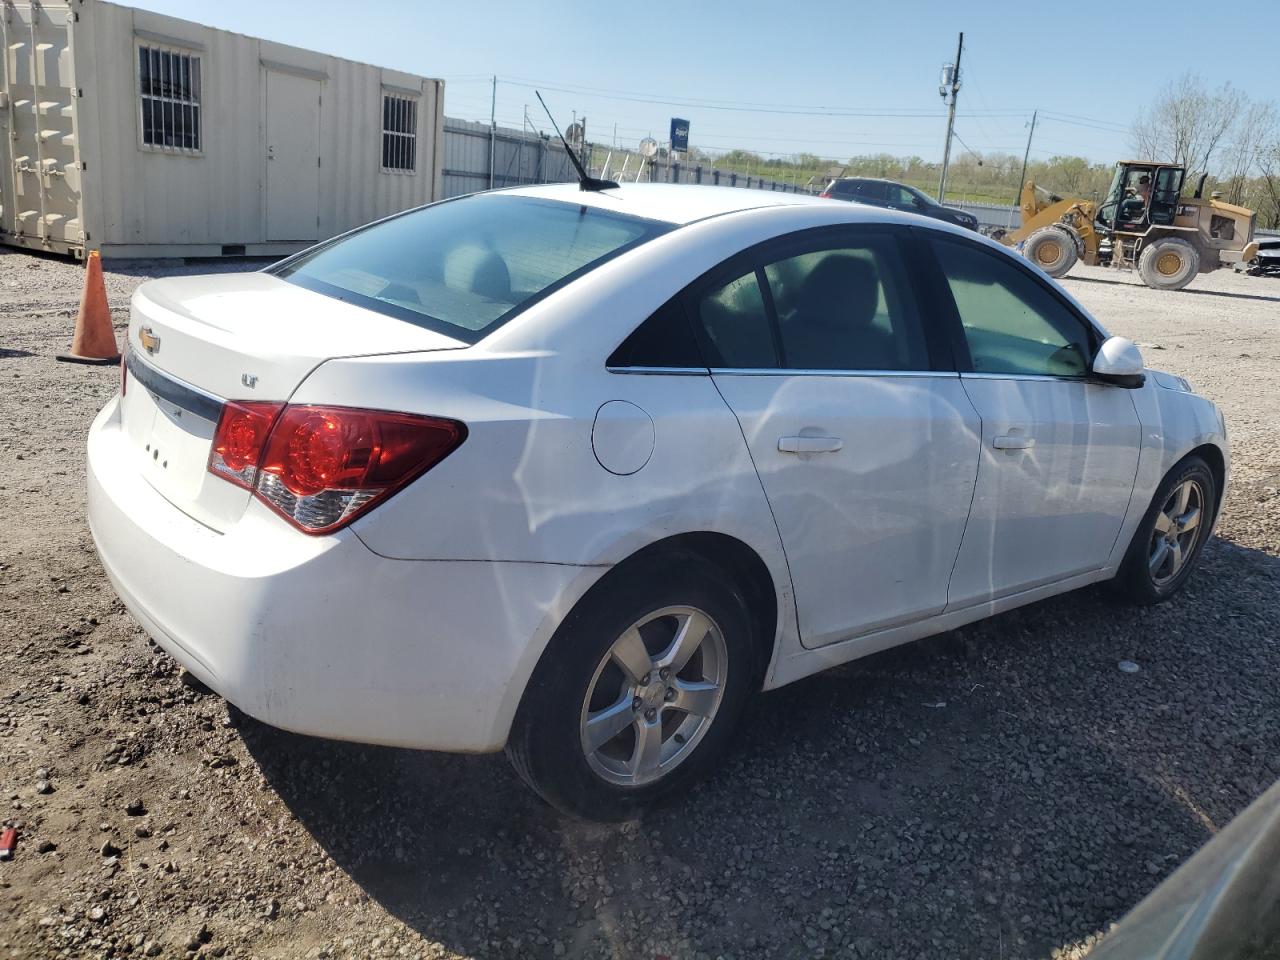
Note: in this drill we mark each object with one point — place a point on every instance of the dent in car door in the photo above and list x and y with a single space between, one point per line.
868 456
1058 463
1059 451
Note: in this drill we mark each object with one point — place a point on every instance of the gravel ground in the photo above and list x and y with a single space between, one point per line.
999 792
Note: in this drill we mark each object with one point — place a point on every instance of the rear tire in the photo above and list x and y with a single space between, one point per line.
1169 263
601 733
1167 543
1052 249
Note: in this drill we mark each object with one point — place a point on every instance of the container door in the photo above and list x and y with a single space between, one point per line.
293 157
40 182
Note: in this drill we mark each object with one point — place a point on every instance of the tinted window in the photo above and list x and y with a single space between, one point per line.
467 265
736 324
872 190
847 307
1012 323
664 340
842 188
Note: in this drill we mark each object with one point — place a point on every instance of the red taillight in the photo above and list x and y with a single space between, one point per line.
238 441
321 467
826 193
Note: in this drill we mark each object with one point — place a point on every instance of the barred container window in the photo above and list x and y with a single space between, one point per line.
399 133
169 91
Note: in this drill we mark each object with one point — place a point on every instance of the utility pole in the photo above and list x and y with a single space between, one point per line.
493 128
1026 156
951 116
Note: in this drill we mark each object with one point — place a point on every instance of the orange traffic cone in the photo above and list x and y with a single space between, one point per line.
95 339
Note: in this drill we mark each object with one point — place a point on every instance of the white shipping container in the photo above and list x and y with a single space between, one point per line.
139 134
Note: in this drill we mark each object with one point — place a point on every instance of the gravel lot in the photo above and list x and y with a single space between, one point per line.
1000 792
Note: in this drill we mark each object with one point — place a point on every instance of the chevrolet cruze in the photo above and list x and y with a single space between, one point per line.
575 472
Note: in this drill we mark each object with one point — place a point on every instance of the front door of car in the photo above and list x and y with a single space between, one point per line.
1059 449
859 429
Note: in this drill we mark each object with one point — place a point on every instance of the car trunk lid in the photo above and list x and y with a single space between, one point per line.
195 342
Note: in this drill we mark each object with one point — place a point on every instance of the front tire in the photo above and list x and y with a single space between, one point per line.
1169 263
1167 543
1052 249
639 691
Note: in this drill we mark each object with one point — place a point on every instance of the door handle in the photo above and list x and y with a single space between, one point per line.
810 444
1013 443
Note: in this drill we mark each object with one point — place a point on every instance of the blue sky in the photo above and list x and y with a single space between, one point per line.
831 79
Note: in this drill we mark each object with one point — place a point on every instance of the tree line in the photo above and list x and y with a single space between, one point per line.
1219 131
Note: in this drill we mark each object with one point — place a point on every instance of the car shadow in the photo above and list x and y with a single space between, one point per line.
1191 290
1004 786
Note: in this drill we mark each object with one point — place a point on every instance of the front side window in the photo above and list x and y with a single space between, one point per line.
465 266
901 196
399 133
1012 323
169 99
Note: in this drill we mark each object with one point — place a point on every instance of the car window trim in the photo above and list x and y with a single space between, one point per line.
833 372
960 343
755 258
656 371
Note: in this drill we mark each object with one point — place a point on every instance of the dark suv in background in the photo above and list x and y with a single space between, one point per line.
896 196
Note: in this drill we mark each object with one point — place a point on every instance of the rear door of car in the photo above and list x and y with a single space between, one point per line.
1059 448
854 416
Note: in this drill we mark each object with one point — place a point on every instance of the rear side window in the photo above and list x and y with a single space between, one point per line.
847 307
871 190
466 266
841 303
1011 322
736 324
664 340
843 188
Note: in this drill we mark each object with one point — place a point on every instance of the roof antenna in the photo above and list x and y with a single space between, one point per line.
585 182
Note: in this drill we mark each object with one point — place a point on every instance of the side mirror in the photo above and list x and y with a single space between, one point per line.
1119 361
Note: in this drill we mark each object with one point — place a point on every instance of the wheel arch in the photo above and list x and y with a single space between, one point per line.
734 556
747 569
1211 454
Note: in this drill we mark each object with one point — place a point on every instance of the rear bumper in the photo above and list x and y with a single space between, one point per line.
320 635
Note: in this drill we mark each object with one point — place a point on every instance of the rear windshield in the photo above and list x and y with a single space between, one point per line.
466 266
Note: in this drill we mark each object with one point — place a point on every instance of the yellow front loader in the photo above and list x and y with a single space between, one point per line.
1144 223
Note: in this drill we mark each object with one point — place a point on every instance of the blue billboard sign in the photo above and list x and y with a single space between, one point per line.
679 135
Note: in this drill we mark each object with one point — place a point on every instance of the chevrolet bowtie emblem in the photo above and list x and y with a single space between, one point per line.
150 342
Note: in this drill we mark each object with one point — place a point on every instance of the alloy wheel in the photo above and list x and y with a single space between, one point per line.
654 696
1176 530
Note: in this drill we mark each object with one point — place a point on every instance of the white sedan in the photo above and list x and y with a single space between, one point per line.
574 473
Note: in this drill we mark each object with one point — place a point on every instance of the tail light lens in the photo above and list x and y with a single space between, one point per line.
237 443
826 193
321 467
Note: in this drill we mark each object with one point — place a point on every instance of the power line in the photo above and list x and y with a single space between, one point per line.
863 112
